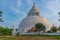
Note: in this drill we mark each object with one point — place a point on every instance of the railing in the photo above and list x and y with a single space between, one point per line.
43 33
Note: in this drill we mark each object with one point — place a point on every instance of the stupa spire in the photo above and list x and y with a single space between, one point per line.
34 10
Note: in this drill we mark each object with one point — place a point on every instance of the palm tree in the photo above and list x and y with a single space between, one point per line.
1 20
0 13
1 16
40 27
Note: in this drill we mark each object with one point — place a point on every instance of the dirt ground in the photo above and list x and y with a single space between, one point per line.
30 38
35 38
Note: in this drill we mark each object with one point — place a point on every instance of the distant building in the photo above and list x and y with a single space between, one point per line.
33 29
32 19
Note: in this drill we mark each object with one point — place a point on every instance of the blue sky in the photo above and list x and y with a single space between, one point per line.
15 10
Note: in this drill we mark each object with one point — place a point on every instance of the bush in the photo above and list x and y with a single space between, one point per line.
18 34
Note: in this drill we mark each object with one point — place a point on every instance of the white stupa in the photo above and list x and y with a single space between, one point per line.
31 19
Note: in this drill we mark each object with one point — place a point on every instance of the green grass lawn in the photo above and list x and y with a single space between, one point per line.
31 38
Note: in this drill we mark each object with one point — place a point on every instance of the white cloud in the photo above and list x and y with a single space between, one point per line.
19 14
54 7
29 2
15 9
19 3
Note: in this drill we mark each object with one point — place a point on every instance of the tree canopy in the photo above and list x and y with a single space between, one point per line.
54 29
40 27
5 31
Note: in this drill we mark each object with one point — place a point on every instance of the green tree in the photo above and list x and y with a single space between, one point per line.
7 31
1 16
54 29
58 28
1 30
17 34
0 13
40 27
49 31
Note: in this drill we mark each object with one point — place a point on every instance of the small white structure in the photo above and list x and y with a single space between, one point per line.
32 19
14 32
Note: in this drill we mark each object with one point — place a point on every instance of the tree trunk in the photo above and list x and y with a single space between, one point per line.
39 31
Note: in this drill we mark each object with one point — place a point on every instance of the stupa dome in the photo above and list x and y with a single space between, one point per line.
32 19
